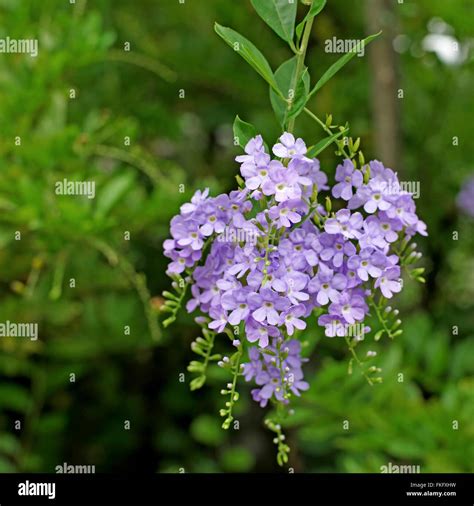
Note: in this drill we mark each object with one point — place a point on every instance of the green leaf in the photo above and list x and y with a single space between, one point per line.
15 398
279 15
112 192
9 445
248 52
284 78
243 131
323 144
197 382
206 430
237 459
316 8
333 69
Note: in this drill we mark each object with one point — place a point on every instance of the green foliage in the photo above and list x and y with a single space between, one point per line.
314 151
248 52
279 15
174 301
237 460
174 141
203 347
282 448
243 131
316 7
206 429
343 60
285 77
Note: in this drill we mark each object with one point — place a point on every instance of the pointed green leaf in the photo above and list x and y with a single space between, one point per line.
112 192
333 69
279 15
316 8
243 132
284 78
248 52
323 144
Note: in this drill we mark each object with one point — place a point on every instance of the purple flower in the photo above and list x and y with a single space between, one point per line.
268 371
350 307
177 266
237 301
388 227
292 320
327 285
311 170
286 213
196 200
368 262
345 223
333 325
404 211
219 320
288 147
257 332
256 172
389 282
253 147
292 285
376 198
372 235
254 367
348 177
215 220
335 247
284 183
268 303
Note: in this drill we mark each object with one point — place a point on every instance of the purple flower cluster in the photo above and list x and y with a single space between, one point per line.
277 371
275 254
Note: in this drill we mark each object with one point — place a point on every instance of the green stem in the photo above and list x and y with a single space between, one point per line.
326 129
58 276
357 359
234 382
227 411
380 317
300 65
209 351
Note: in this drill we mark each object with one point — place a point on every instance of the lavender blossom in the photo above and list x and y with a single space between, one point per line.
265 267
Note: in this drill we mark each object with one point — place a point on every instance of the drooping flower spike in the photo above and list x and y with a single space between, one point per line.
267 260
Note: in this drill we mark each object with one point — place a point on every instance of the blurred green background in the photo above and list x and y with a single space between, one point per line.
140 123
